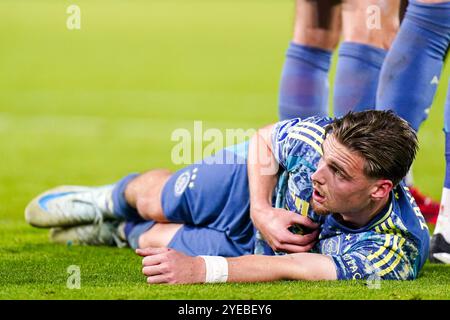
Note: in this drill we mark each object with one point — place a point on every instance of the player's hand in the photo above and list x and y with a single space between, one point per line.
274 225
164 265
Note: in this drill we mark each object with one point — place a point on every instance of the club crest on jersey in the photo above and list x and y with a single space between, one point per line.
331 246
185 180
182 182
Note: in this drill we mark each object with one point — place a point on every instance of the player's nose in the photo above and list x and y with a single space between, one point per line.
318 177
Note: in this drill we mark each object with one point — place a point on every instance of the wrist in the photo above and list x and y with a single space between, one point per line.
216 269
260 210
200 266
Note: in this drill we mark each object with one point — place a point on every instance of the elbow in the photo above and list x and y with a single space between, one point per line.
309 267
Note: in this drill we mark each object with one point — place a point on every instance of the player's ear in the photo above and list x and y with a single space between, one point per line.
381 189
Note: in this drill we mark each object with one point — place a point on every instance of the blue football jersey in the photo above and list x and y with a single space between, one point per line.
394 245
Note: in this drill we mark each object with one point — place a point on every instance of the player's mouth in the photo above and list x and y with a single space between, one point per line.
318 196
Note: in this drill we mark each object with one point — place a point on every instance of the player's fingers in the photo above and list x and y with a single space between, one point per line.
290 248
150 251
304 221
160 278
152 270
152 260
302 240
310 237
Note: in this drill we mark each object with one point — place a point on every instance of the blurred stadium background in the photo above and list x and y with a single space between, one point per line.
91 105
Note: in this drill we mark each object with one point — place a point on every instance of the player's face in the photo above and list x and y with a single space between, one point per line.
340 185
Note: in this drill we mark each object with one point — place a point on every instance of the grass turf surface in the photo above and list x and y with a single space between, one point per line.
89 106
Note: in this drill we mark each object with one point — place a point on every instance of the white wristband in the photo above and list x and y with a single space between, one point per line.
216 269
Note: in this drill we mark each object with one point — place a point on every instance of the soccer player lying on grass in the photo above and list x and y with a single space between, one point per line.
337 180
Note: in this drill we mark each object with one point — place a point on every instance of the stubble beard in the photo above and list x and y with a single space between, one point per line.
319 210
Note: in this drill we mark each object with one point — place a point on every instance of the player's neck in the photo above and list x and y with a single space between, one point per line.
361 218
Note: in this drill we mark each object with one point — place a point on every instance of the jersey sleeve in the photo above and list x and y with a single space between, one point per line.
299 139
281 146
390 257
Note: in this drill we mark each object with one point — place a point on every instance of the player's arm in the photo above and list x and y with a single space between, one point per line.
262 170
272 222
163 265
295 266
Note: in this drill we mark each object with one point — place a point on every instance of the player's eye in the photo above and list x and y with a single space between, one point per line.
338 173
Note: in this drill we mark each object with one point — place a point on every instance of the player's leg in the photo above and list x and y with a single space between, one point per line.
146 235
139 198
368 27
195 240
230 235
77 205
134 199
440 242
117 233
411 71
210 201
207 203
304 80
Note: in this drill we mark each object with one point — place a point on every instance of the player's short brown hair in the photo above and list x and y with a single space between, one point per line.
386 141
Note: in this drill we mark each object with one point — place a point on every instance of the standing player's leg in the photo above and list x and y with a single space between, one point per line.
410 74
304 80
368 28
440 242
411 71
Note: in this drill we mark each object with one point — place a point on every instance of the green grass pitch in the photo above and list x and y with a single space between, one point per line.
91 105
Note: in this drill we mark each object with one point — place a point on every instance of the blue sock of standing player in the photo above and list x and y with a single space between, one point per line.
442 229
304 82
412 67
356 81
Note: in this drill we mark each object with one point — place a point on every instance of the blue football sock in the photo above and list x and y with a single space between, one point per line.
134 230
447 139
304 82
411 70
356 82
121 208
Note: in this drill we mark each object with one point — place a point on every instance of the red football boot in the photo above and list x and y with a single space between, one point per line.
428 206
